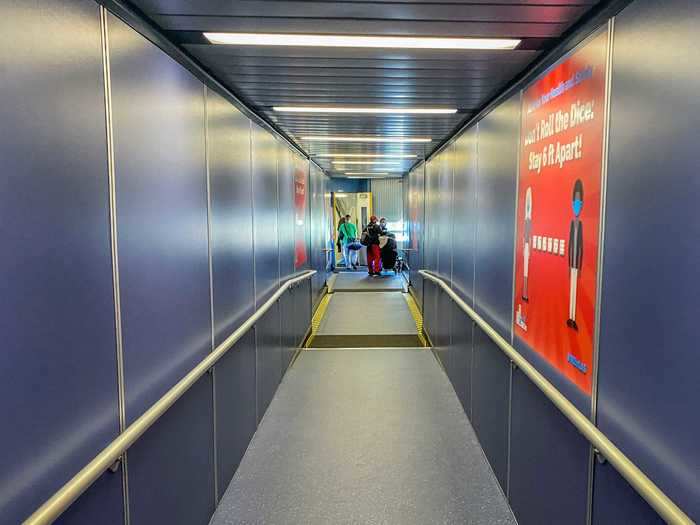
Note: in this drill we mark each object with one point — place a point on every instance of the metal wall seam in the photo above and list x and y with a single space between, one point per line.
277 215
111 176
452 211
476 237
476 211
280 339
211 288
255 281
512 300
424 230
601 255
603 195
453 162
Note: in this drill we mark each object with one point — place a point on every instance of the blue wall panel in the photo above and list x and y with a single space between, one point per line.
444 246
431 247
464 248
496 191
288 322
159 140
269 358
316 240
443 212
228 157
171 467
302 306
267 271
615 501
58 382
548 460
267 261
416 218
648 361
320 230
228 144
235 407
101 503
490 398
285 210
464 232
162 216
493 267
461 355
285 231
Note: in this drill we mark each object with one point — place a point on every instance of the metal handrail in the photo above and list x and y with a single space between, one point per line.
66 495
646 488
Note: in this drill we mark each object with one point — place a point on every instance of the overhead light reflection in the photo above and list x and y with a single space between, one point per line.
350 138
363 110
384 42
366 162
367 155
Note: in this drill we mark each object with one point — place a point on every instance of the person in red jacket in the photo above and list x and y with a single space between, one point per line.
374 257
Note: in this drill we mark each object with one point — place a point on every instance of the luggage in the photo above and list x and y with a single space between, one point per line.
389 254
364 239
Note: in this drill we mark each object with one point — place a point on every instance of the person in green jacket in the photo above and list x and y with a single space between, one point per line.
349 231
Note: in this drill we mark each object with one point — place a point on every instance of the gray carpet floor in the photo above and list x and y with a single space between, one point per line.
367 313
361 282
364 436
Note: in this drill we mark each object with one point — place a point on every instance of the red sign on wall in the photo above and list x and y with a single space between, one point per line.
558 213
299 217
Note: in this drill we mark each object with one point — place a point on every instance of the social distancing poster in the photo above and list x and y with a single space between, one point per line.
558 211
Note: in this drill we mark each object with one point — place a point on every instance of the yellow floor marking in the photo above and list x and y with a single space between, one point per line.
318 316
415 312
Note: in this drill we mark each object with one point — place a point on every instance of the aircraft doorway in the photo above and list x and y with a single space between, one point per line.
359 207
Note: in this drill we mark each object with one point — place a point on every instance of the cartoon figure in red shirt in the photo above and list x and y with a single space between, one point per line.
575 251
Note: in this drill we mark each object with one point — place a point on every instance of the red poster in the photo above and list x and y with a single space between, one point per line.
299 216
558 214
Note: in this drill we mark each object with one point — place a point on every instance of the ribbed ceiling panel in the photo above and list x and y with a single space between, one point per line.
264 76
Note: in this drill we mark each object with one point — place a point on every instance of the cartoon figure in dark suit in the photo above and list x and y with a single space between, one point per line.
527 240
575 251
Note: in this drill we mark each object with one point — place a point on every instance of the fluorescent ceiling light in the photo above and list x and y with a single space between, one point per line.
351 109
350 138
393 42
368 173
367 155
366 162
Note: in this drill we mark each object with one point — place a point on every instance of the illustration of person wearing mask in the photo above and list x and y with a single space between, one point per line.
527 239
575 251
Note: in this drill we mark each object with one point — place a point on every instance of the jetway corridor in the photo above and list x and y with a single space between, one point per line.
182 184
365 427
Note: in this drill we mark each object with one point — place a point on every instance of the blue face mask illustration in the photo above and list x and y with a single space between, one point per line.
578 204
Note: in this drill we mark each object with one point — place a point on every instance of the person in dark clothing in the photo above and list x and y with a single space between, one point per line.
575 251
389 252
339 236
382 226
374 260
